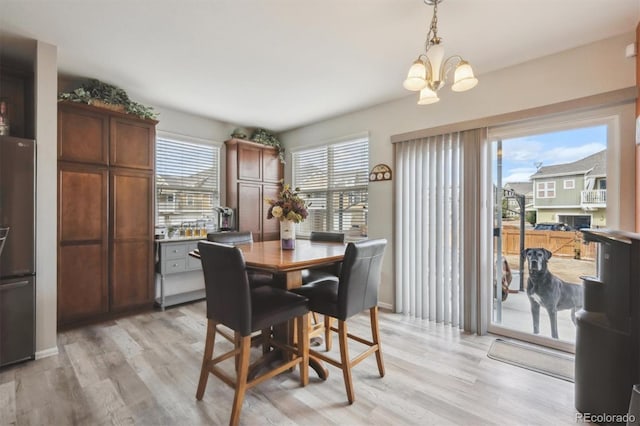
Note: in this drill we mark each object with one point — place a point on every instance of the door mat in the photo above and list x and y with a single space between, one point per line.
545 361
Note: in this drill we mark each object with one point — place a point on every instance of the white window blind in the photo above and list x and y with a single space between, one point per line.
334 179
187 183
429 263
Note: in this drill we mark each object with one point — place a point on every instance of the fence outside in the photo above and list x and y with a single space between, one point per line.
560 243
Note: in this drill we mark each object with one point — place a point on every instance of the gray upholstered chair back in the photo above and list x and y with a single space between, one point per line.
233 238
335 237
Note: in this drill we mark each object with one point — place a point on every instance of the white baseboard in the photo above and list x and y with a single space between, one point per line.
47 352
383 305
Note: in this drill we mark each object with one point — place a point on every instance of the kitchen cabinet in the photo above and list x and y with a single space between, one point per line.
173 260
254 172
105 216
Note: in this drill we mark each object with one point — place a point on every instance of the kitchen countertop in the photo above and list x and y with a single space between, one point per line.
178 239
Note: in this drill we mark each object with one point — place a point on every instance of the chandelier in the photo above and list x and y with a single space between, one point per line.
428 73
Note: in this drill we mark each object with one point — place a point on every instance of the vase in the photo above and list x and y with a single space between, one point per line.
287 234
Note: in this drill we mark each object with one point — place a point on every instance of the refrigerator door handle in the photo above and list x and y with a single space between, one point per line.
17 284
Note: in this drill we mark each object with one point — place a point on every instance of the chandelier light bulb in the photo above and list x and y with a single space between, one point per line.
428 96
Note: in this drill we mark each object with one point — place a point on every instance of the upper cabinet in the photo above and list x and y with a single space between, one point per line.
16 93
87 135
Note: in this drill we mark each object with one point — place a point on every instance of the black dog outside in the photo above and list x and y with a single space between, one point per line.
547 290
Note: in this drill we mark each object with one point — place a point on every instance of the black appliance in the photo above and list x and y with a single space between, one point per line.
226 219
607 362
17 259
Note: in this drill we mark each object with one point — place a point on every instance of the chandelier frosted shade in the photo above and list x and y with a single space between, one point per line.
463 78
416 78
427 96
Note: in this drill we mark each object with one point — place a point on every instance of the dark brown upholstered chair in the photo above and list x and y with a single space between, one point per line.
322 273
256 278
233 303
356 291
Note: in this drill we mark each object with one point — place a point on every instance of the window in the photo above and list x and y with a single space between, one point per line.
187 183
569 184
334 179
546 190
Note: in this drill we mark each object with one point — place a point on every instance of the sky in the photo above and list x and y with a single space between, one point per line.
522 155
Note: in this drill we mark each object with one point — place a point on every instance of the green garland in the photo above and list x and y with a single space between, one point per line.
96 89
265 138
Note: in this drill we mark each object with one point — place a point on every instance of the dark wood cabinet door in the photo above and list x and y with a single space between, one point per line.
83 135
270 227
132 144
132 212
132 274
83 208
250 208
131 238
83 242
272 170
249 162
82 281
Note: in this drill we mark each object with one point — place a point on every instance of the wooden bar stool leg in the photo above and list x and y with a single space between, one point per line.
241 380
345 361
303 348
375 333
328 338
208 355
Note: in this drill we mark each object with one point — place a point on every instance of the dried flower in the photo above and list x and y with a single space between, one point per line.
289 206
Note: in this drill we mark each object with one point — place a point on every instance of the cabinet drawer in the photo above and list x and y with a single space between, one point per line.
174 251
172 266
193 264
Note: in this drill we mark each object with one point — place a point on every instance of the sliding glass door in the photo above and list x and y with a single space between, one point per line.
547 186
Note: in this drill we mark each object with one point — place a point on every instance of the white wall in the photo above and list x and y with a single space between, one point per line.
588 70
46 92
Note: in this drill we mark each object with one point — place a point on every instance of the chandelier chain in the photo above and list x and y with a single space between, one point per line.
432 35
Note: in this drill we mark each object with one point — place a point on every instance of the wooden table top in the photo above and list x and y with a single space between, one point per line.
269 256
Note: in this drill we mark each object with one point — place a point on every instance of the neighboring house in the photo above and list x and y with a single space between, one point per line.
512 205
573 193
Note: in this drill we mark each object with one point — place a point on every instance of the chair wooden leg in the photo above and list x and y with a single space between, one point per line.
328 338
375 333
208 355
303 348
345 361
241 380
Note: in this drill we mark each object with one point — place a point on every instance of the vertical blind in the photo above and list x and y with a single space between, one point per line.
187 182
429 244
334 179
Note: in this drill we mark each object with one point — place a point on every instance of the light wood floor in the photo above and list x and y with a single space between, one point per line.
144 370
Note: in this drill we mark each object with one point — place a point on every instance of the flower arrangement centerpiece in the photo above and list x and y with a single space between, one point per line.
290 209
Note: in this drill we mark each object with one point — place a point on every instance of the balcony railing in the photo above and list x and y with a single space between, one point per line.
593 198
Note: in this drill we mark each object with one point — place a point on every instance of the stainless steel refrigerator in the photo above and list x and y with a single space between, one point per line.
17 259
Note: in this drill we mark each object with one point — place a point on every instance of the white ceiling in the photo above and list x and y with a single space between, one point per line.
280 64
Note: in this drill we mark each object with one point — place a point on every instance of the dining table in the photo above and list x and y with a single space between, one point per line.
287 266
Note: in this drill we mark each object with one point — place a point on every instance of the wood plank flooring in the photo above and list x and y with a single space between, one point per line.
144 370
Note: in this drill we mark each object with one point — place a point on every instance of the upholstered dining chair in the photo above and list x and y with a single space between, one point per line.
356 291
233 303
318 274
256 278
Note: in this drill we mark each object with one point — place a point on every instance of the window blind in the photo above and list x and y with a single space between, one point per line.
334 179
187 183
